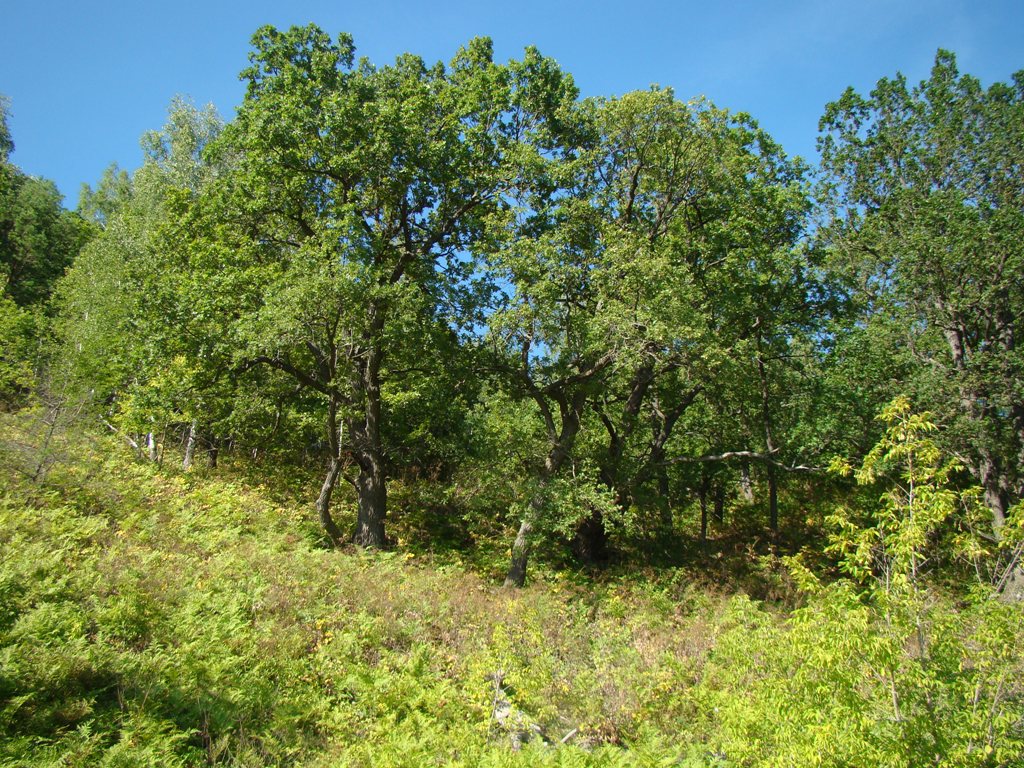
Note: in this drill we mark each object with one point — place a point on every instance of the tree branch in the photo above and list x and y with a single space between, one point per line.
297 374
765 458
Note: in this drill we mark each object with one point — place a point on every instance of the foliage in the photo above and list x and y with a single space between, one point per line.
919 502
923 197
358 194
163 618
17 351
38 238
481 302
38 241
878 668
169 619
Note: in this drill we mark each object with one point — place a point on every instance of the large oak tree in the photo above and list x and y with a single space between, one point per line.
366 189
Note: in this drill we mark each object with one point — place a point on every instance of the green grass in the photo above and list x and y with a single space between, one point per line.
150 617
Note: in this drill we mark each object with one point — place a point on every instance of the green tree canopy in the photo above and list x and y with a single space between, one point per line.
926 198
364 191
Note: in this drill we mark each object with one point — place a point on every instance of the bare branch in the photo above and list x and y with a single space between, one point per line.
765 458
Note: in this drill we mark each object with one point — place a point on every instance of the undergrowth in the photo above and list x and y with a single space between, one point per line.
155 618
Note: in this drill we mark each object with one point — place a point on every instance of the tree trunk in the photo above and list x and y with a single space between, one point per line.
769 440
561 447
995 498
668 522
151 443
746 486
1011 585
703 495
590 544
211 455
664 424
663 489
520 554
371 485
323 503
372 492
719 503
995 480
190 447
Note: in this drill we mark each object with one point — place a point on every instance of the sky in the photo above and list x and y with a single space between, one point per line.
85 79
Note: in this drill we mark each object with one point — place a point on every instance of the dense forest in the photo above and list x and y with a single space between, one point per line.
434 415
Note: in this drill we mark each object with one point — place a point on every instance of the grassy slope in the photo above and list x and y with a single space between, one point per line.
169 618
156 618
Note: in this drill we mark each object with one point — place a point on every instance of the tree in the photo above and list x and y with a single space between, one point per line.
661 183
548 341
135 331
365 189
17 351
713 210
632 279
113 191
38 237
926 199
6 141
38 240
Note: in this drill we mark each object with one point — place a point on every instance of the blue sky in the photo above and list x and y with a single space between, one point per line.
86 79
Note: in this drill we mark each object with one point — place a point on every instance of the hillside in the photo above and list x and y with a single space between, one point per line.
154 617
